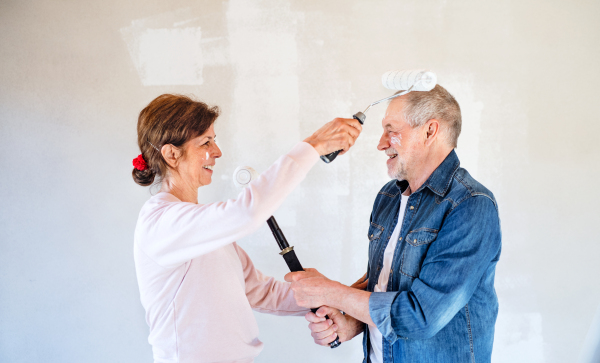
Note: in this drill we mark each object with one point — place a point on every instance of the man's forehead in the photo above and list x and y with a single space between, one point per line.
394 115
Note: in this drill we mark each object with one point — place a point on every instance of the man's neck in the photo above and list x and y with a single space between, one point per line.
425 170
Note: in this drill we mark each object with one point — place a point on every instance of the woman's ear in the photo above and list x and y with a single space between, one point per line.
171 154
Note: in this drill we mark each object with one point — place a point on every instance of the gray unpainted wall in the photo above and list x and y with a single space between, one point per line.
75 74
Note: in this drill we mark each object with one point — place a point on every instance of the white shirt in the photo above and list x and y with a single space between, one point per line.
376 352
197 285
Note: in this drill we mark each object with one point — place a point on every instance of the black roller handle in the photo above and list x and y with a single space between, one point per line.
330 157
289 255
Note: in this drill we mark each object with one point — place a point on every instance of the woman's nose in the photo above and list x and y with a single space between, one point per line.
217 152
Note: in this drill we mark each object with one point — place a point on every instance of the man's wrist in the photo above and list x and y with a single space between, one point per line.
336 296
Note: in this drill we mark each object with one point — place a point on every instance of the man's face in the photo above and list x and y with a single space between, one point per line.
399 141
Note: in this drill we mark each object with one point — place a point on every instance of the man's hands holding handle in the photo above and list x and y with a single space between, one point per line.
339 134
315 293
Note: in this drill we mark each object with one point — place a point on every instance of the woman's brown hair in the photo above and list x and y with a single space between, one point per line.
169 119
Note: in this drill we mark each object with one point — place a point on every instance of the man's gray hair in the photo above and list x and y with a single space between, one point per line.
439 104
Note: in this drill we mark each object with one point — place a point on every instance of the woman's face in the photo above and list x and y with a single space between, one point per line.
200 156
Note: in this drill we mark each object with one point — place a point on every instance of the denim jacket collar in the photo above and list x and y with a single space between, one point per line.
439 181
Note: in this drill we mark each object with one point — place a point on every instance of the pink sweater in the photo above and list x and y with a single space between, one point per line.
197 285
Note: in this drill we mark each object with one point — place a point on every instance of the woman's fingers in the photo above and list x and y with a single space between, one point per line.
312 318
326 341
324 332
320 326
331 329
338 134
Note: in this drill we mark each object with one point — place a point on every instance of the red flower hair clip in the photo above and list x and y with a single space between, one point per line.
139 163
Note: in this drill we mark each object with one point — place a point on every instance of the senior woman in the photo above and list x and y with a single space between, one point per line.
197 285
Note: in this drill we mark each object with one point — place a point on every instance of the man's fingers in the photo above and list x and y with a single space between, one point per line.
301 275
294 276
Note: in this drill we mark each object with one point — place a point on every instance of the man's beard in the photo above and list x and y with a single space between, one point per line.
398 169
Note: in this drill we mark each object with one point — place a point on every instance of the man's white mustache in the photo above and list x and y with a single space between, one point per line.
390 152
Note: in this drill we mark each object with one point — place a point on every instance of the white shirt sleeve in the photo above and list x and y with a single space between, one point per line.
172 232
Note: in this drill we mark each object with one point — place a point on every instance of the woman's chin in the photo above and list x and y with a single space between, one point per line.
205 182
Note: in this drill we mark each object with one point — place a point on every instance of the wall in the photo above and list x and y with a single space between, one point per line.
74 75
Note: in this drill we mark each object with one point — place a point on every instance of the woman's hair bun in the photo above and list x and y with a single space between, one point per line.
143 177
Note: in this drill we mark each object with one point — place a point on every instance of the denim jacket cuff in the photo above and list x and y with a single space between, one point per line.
380 305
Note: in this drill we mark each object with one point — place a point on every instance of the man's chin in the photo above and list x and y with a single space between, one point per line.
394 173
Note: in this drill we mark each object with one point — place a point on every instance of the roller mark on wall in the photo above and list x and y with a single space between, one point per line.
264 57
518 338
168 49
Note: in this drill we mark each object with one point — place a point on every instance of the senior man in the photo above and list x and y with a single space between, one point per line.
434 242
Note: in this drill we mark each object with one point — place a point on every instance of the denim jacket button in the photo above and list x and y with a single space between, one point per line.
391 272
412 207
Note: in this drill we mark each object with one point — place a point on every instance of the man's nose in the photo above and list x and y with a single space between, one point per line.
384 143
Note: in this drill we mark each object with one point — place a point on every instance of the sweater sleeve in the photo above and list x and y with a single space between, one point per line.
172 232
264 293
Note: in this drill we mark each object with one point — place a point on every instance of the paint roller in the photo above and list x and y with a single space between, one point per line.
242 176
406 81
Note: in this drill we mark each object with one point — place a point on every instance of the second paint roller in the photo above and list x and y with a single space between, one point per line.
242 176
407 81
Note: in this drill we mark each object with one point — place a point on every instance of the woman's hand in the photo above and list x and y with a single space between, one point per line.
339 134
325 331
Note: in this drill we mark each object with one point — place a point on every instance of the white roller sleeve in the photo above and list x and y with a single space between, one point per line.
422 80
243 175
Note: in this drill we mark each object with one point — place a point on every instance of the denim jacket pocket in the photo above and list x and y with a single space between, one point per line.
415 250
375 232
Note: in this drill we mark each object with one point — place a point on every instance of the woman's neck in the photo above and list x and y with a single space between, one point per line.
183 191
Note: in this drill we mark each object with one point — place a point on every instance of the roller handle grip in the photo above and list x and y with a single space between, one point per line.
294 264
330 157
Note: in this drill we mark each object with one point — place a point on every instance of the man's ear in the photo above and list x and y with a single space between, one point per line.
432 129
171 154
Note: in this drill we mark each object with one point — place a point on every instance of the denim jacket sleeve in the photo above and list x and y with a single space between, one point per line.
467 243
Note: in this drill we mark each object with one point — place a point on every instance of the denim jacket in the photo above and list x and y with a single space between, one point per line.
440 304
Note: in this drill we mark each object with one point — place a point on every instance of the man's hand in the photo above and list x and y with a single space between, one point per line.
325 331
339 134
311 289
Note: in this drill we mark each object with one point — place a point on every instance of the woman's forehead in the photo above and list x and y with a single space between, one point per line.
209 134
